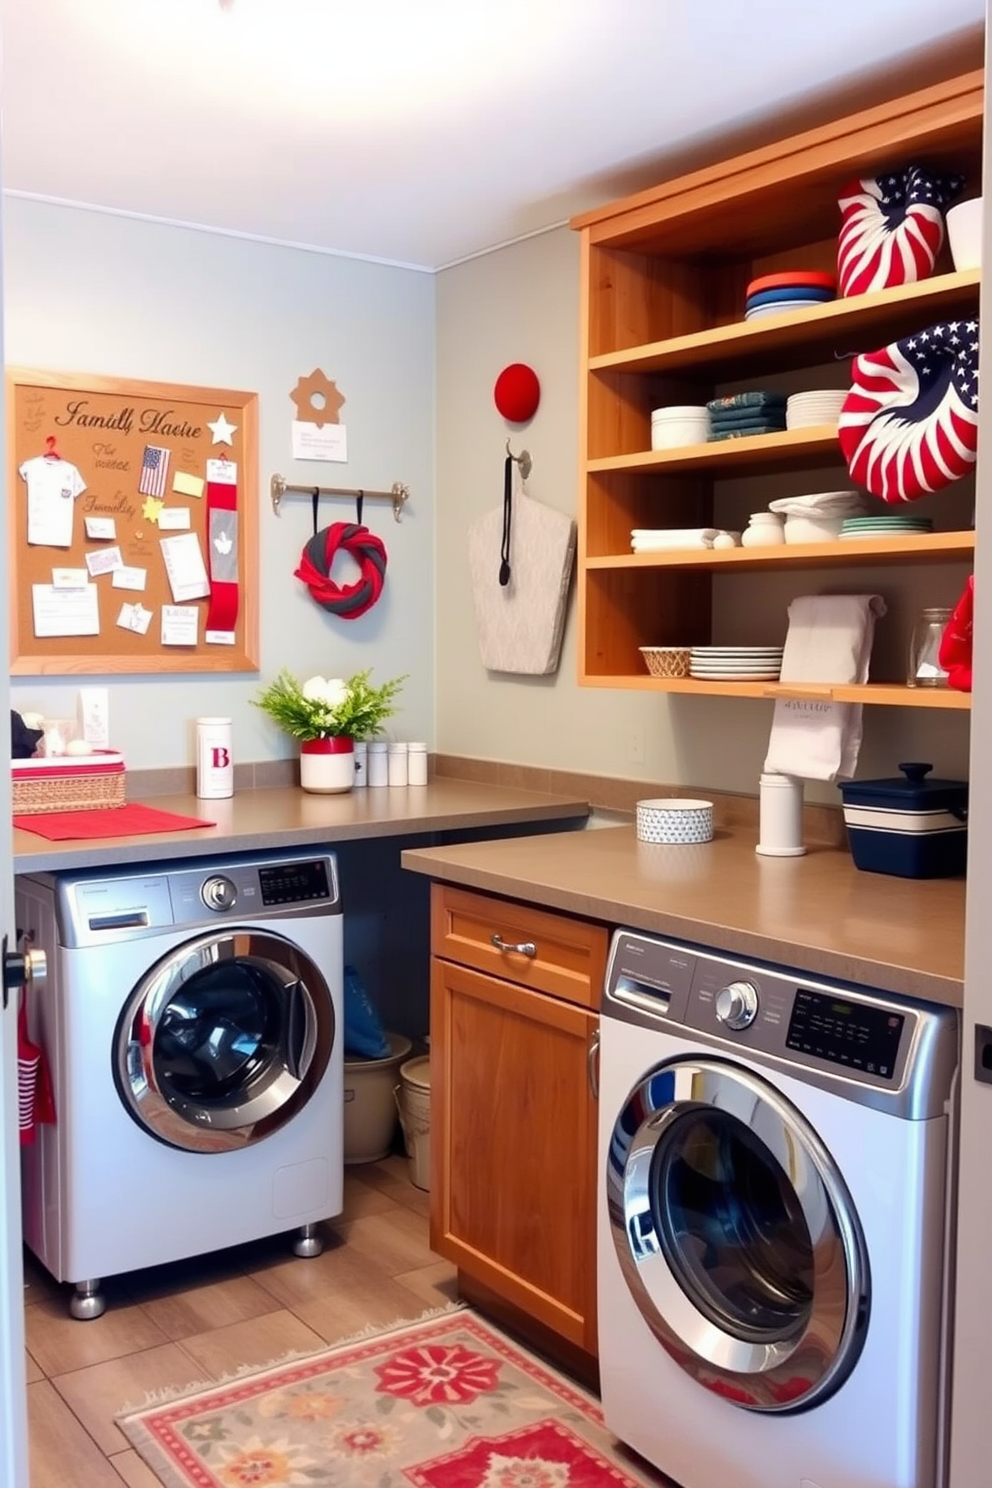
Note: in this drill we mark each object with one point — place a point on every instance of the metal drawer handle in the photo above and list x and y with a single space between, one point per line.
523 948
592 1060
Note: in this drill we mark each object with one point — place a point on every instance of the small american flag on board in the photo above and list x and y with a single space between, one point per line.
154 470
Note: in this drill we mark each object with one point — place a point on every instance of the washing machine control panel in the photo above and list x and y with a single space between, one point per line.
736 1005
219 892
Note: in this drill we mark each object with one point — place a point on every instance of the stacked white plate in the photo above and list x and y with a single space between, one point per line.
735 663
805 410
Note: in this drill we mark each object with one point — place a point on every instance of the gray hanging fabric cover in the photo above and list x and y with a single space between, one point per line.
520 623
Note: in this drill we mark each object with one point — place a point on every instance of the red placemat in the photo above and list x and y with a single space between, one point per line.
107 821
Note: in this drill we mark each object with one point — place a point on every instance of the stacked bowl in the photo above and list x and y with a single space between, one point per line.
678 425
797 289
807 410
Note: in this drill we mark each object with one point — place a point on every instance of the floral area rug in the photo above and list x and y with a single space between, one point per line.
445 1403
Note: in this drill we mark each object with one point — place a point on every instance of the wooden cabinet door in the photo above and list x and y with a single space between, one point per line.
513 1145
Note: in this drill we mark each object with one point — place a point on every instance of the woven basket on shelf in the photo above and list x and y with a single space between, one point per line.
66 788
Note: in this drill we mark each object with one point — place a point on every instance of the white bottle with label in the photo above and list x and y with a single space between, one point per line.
214 760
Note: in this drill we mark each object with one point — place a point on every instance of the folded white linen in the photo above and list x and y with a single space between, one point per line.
829 640
662 533
669 545
820 504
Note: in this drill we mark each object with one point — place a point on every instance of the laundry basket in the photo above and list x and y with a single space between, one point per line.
369 1103
414 1101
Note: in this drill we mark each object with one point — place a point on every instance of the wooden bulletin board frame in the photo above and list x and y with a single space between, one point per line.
102 425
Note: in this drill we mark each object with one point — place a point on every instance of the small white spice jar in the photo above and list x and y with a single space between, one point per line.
214 762
378 766
396 757
361 764
416 763
780 816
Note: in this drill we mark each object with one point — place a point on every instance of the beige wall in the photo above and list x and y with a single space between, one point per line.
521 304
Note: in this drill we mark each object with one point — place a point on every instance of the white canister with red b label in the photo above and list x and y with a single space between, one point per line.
214 763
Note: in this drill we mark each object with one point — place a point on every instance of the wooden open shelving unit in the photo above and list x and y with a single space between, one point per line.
664 276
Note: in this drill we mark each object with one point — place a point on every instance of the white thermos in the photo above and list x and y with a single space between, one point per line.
214 761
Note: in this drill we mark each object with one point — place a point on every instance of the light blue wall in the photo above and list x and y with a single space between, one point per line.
90 292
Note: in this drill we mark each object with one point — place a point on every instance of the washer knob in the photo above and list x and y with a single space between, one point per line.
218 893
737 1005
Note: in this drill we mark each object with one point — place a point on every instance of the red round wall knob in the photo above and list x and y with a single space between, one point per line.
517 393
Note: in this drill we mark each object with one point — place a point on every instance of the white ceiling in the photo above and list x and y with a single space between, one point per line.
417 133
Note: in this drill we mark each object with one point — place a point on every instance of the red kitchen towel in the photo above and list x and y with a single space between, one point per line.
107 821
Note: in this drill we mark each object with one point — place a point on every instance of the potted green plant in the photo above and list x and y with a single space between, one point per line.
327 715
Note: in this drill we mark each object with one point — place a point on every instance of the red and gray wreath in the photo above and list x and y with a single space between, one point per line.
345 600
892 228
909 424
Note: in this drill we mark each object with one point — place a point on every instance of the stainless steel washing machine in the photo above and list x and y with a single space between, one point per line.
192 1024
774 1222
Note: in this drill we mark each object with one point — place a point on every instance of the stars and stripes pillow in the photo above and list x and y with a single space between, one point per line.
892 228
909 424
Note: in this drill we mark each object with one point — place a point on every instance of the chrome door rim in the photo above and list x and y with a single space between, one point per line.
756 1375
192 1126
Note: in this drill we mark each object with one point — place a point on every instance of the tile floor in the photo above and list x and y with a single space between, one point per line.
173 1326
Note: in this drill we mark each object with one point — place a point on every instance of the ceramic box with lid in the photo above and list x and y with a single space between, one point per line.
911 825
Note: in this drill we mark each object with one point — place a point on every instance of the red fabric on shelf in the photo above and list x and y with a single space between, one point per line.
107 821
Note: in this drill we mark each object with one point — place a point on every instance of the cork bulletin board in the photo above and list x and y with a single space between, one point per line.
133 513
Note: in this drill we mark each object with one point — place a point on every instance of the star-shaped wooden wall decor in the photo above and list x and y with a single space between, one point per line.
317 386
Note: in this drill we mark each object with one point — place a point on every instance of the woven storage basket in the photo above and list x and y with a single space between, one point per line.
86 782
666 661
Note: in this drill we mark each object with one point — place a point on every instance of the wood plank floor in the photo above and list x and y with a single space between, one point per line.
171 1327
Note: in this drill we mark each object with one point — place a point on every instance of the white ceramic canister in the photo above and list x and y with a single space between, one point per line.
764 530
416 763
378 772
214 760
396 763
780 816
361 764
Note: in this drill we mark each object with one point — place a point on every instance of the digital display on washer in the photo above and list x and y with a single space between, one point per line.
294 883
846 1033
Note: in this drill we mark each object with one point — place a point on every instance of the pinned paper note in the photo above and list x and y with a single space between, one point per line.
185 567
104 560
187 485
316 442
65 612
180 625
100 528
222 472
173 519
129 578
134 617
69 578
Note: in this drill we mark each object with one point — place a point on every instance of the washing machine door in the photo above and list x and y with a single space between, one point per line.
224 1040
737 1236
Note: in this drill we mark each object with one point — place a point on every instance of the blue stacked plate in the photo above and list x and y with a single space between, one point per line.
798 289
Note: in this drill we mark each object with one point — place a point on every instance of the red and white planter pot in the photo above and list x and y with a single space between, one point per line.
327 766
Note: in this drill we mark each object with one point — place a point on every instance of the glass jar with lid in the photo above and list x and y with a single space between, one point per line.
924 668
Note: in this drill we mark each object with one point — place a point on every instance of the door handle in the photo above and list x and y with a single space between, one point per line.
522 948
22 968
593 1063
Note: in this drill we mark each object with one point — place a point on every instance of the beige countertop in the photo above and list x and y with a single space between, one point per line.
816 913
289 817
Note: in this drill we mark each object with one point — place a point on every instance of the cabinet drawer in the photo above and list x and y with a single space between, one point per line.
568 958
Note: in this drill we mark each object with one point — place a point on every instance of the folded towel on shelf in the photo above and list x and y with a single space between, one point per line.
734 416
757 398
829 640
644 540
744 431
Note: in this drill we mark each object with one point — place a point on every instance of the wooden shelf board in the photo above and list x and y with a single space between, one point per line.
934 547
791 446
888 694
792 335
